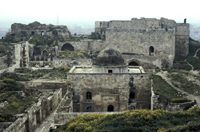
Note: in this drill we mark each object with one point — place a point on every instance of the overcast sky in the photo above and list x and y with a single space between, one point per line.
88 11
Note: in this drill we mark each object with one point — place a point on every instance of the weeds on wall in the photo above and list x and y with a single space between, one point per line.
135 120
16 105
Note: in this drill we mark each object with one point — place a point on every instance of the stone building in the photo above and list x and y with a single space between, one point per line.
110 85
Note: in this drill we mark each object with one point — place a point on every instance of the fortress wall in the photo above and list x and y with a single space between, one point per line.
139 42
182 40
78 45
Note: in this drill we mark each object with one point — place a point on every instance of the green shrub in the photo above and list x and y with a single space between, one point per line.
179 100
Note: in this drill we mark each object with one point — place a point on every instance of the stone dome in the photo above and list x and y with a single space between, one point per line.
109 56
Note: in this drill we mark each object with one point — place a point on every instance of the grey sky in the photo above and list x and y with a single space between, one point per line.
88 11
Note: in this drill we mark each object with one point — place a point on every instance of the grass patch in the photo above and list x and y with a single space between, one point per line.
166 92
134 120
181 82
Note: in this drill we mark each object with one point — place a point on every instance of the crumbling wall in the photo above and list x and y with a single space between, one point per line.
36 113
3 63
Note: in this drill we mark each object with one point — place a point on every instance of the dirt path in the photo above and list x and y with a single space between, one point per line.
189 65
196 52
168 80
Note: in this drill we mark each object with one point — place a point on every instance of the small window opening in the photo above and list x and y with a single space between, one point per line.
151 51
32 33
42 33
100 24
21 39
88 95
162 25
2 37
132 95
109 71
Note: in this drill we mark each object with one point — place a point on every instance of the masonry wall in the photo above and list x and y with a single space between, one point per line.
182 40
3 65
112 89
140 41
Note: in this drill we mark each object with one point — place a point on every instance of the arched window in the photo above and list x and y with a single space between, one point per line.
89 109
88 95
110 108
151 51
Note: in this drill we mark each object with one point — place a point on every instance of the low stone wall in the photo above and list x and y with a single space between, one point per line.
70 62
35 114
61 118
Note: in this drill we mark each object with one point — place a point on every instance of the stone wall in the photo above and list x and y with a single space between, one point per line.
34 115
66 62
111 89
62 118
182 40
140 42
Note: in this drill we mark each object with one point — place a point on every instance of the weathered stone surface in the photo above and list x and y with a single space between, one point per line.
110 56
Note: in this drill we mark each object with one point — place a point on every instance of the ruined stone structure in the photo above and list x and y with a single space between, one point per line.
161 40
21 32
34 115
110 85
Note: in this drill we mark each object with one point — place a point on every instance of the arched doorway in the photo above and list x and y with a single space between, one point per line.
110 108
67 46
151 51
89 109
133 63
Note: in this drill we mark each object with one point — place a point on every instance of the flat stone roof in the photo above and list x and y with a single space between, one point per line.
89 69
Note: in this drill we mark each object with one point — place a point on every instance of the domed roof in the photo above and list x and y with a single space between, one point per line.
109 57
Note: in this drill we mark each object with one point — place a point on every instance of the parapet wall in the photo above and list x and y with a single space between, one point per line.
61 118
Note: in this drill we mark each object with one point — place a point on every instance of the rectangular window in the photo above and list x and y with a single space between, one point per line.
109 71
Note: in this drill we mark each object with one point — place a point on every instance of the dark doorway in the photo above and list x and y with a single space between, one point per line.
44 53
132 95
89 109
2 37
21 39
67 46
55 33
151 51
109 71
37 51
110 108
133 64
38 117
32 33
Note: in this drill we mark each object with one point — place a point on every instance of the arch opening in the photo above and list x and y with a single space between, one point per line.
110 108
88 95
133 63
151 51
89 109
67 46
